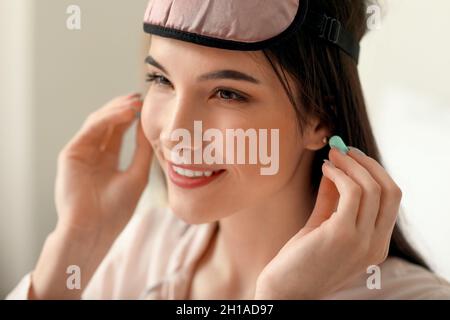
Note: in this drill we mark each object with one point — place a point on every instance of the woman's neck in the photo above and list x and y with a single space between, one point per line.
248 240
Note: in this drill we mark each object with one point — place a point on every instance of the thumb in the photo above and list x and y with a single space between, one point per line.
143 154
326 203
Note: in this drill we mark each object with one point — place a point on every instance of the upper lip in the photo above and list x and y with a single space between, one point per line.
193 167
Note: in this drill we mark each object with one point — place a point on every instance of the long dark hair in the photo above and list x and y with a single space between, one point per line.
328 87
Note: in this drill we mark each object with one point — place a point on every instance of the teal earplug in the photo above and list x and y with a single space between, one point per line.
338 143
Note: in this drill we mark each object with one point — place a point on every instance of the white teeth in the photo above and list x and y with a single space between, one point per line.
191 173
179 170
198 173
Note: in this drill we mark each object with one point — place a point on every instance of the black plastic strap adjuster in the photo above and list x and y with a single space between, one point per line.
330 29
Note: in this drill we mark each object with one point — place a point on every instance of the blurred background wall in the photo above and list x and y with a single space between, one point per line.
405 69
51 78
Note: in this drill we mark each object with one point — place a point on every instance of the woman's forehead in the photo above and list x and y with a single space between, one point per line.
175 52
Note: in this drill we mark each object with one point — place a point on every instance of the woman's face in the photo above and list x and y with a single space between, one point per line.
254 98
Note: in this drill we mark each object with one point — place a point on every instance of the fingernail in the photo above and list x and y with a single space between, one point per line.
137 103
357 151
329 163
338 143
137 94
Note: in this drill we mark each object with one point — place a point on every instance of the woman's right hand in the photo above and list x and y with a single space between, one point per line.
91 193
94 199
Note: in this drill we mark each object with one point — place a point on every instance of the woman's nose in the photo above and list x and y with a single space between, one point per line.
183 115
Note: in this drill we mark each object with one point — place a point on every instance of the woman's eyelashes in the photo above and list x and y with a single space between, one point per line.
225 94
230 95
158 79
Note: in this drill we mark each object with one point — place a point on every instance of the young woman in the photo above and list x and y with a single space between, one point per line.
310 231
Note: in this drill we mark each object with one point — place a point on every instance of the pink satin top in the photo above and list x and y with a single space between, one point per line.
155 255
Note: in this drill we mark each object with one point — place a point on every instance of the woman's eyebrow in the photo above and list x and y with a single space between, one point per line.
228 74
221 74
153 62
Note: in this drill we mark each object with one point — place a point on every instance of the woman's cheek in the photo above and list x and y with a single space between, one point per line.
151 118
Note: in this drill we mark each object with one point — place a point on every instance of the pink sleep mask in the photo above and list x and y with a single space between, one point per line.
243 24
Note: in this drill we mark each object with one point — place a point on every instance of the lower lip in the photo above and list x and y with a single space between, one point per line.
190 183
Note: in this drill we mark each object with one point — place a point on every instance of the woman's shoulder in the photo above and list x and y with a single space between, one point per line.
139 254
397 279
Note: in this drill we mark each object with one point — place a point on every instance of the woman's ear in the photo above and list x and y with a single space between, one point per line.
315 135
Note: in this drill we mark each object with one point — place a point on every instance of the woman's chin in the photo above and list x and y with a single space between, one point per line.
193 215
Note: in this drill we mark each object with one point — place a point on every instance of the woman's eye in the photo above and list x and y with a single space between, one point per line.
158 79
230 95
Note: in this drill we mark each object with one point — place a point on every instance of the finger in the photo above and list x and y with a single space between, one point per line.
387 242
115 139
129 96
140 165
113 144
96 128
349 193
133 95
391 194
326 204
119 102
370 200
110 153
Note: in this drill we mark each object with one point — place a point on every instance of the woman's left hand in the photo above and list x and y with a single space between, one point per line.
349 229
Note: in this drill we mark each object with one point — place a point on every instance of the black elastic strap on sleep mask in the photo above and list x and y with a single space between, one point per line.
331 30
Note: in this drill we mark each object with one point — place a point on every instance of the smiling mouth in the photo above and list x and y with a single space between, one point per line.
192 173
189 178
